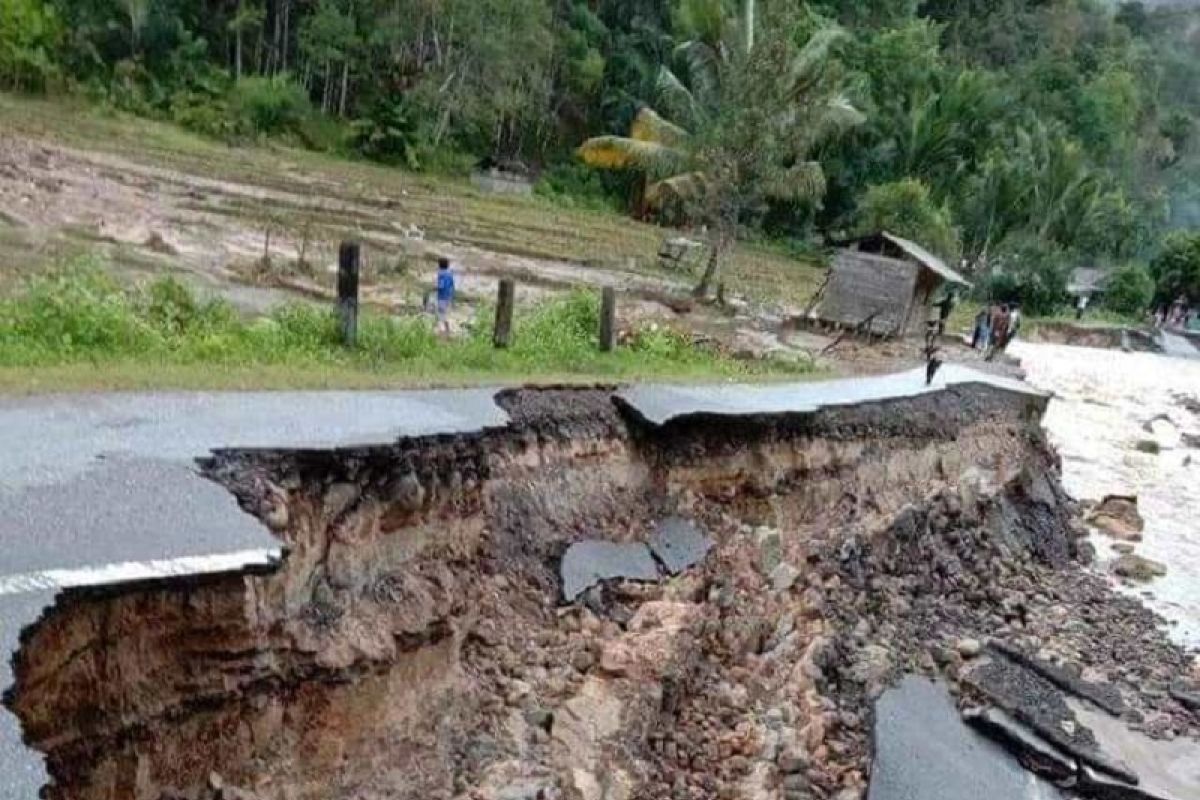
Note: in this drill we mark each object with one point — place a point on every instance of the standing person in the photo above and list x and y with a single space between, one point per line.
999 331
1081 305
445 295
1014 323
979 339
945 307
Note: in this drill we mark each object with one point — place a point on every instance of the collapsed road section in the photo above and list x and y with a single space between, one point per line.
585 593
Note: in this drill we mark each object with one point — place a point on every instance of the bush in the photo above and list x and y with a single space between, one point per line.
1176 269
203 113
1130 290
579 186
388 133
268 106
906 209
76 312
30 32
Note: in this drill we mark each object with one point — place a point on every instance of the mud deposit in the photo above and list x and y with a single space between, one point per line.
415 643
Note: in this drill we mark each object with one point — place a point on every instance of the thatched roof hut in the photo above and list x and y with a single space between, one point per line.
885 285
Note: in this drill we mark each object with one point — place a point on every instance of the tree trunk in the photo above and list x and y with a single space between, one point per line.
748 21
276 38
326 93
237 45
345 88
287 14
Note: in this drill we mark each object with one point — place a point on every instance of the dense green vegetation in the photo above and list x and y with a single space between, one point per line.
80 316
1024 137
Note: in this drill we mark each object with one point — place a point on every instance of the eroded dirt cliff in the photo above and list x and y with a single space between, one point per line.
414 643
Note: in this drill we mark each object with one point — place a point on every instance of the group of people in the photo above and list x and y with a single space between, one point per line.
995 328
1177 315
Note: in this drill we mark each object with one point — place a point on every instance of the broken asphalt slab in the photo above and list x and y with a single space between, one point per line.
658 404
1035 753
1168 770
589 562
1068 729
679 544
676 543
924 751
1036 701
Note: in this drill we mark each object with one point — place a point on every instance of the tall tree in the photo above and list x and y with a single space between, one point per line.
740 128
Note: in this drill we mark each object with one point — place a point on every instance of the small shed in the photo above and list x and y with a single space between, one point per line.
1087 282
887 280
503 177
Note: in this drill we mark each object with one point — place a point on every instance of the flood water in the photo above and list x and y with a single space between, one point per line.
1106 403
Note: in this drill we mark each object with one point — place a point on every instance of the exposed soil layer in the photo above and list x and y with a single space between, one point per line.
1104 337
414 643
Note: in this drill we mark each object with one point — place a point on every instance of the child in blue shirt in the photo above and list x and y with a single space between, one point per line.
445 295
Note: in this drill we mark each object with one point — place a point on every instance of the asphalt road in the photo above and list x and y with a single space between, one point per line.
100 489
103 489
660 404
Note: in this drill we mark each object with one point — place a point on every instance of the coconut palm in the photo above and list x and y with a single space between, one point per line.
738 125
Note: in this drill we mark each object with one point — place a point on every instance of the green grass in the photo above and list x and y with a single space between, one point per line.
341 196
963 319
78 328
1094 318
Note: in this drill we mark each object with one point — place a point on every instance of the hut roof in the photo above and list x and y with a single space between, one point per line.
926 259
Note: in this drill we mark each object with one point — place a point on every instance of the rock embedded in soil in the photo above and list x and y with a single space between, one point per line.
1117 516
1138 568
969 648
784 577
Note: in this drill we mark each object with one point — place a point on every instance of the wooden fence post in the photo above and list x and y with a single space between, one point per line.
502 337
608 316
349 259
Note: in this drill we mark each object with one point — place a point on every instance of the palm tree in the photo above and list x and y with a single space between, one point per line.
739 125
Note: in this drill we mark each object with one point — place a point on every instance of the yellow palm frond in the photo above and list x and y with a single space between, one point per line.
650 126
621 152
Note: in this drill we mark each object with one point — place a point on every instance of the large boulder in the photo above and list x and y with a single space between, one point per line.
1138 568
1117 516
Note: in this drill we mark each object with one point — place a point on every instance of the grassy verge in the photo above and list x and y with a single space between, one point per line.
1094 318
336 194
79 329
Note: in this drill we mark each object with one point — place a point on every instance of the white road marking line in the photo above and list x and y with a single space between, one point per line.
129 571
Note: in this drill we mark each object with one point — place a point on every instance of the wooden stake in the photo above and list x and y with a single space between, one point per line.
502 337
608 317
349 259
